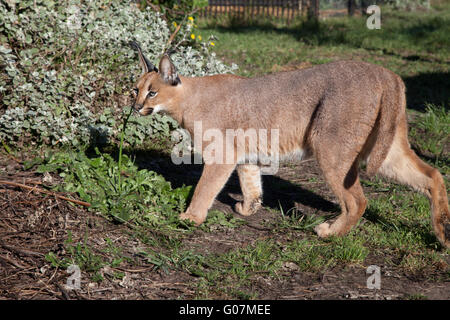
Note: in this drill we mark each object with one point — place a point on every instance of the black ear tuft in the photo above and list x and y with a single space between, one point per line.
168 71
146 65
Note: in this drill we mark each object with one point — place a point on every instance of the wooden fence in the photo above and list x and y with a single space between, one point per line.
248 9
286 9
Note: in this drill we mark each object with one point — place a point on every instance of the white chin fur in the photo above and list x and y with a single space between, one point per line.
159 108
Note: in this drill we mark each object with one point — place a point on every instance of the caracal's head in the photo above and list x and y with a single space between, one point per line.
157 89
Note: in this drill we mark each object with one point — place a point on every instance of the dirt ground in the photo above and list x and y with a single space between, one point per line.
32 224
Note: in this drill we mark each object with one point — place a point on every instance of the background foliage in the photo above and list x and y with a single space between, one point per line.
66 70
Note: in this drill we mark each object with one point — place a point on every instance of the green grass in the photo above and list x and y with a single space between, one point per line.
80 254
399 221
217 220
417 296
316 256
430 132
234 271
88 259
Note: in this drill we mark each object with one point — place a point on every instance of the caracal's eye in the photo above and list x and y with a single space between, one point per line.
152 94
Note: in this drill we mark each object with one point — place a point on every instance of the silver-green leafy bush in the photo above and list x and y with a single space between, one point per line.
66 69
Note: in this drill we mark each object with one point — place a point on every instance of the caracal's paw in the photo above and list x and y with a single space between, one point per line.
187 216
241 208
323 230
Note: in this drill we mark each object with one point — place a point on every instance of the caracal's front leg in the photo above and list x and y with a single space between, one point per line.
214 177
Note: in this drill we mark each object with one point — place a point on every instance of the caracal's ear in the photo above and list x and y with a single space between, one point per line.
168 72
146 65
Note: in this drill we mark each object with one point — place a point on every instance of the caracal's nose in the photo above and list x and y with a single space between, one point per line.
137 107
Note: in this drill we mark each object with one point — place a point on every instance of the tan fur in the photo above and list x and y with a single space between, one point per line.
341 113
250 180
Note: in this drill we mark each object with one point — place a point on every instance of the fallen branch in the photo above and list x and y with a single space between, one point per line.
20 251
13 262
86 204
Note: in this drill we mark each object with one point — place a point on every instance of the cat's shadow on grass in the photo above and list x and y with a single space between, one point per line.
278 193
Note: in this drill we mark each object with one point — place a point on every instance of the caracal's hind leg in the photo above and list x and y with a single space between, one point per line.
348 190
404 166
250 180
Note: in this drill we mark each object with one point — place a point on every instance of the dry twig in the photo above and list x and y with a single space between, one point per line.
86 204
